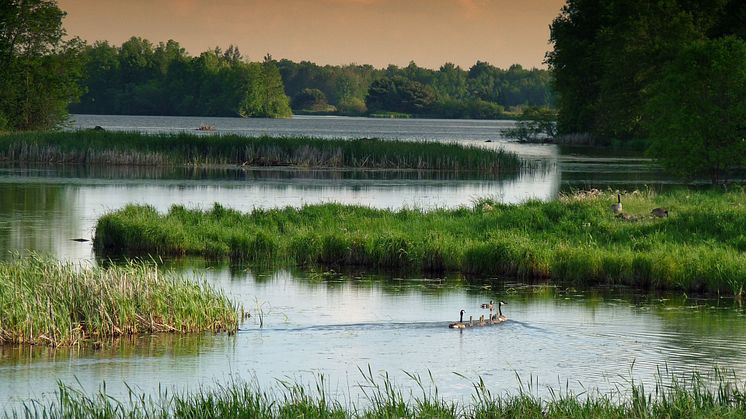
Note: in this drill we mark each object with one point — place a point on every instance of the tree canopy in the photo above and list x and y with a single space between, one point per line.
140 78
697 111
607 55
482 91
39 69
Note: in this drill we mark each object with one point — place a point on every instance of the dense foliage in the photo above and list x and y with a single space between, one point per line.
576 239
608 56
482 91
700 130
139 78
39 70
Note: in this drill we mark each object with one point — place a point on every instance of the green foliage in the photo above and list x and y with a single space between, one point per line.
534 125
481 92
697 112
607 55
310 99
399 94
39 69
575 240
139 78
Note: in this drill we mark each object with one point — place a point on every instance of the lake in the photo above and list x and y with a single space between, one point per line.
319 322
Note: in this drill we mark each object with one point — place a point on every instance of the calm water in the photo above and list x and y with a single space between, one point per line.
328 324
320 323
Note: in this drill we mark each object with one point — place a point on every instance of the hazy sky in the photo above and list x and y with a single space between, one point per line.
378 32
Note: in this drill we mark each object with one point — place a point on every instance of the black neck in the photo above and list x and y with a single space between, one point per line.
461 317
500 309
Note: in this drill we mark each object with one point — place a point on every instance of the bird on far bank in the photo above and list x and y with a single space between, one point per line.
617 208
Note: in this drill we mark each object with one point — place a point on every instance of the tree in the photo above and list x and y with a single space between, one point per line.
399 94
696 115
607 54
313 99
39 71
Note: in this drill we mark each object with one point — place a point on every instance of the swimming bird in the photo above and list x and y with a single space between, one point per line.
489 306
659 212
499 317
617 208
460 323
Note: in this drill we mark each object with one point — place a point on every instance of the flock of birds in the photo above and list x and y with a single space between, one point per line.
619 211
499 317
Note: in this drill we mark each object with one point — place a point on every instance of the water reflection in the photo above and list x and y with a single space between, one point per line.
331 323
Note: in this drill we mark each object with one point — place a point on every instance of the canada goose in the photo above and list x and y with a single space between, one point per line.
460 323
617 208
499 318
659 212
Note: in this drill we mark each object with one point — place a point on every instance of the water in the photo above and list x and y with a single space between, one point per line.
334 324
317 323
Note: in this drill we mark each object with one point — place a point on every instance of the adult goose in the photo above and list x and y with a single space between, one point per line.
499 317
460 323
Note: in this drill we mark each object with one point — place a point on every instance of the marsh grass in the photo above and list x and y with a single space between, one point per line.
670 396
46 302
576 239
128 148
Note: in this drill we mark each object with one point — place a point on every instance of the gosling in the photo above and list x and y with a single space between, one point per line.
659 212
617 208
460 323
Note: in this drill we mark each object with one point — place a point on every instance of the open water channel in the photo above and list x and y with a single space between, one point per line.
332 324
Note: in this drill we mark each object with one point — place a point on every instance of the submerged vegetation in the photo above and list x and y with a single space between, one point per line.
700 246
669 397
46 302
126 148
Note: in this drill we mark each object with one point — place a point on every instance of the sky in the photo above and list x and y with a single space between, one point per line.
377 32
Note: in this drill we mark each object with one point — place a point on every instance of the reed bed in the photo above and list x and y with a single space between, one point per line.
669 397
45 302
701 246
128 148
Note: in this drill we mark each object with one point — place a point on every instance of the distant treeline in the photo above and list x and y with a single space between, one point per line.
141 78
482 91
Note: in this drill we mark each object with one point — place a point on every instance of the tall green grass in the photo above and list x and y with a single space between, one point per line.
700 247
670 397
128 148
46 302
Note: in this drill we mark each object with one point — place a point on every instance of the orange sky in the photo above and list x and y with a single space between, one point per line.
378 32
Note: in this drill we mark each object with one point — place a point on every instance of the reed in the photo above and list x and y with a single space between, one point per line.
129 148
670 396
576 239
45 302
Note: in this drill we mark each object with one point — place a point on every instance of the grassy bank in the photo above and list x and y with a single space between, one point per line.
701 246
46 302
125 148
672 398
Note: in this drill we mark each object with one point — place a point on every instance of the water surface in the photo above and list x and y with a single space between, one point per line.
331 324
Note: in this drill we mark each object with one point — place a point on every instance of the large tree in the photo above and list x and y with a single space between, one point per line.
39 69
607 53
697 110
